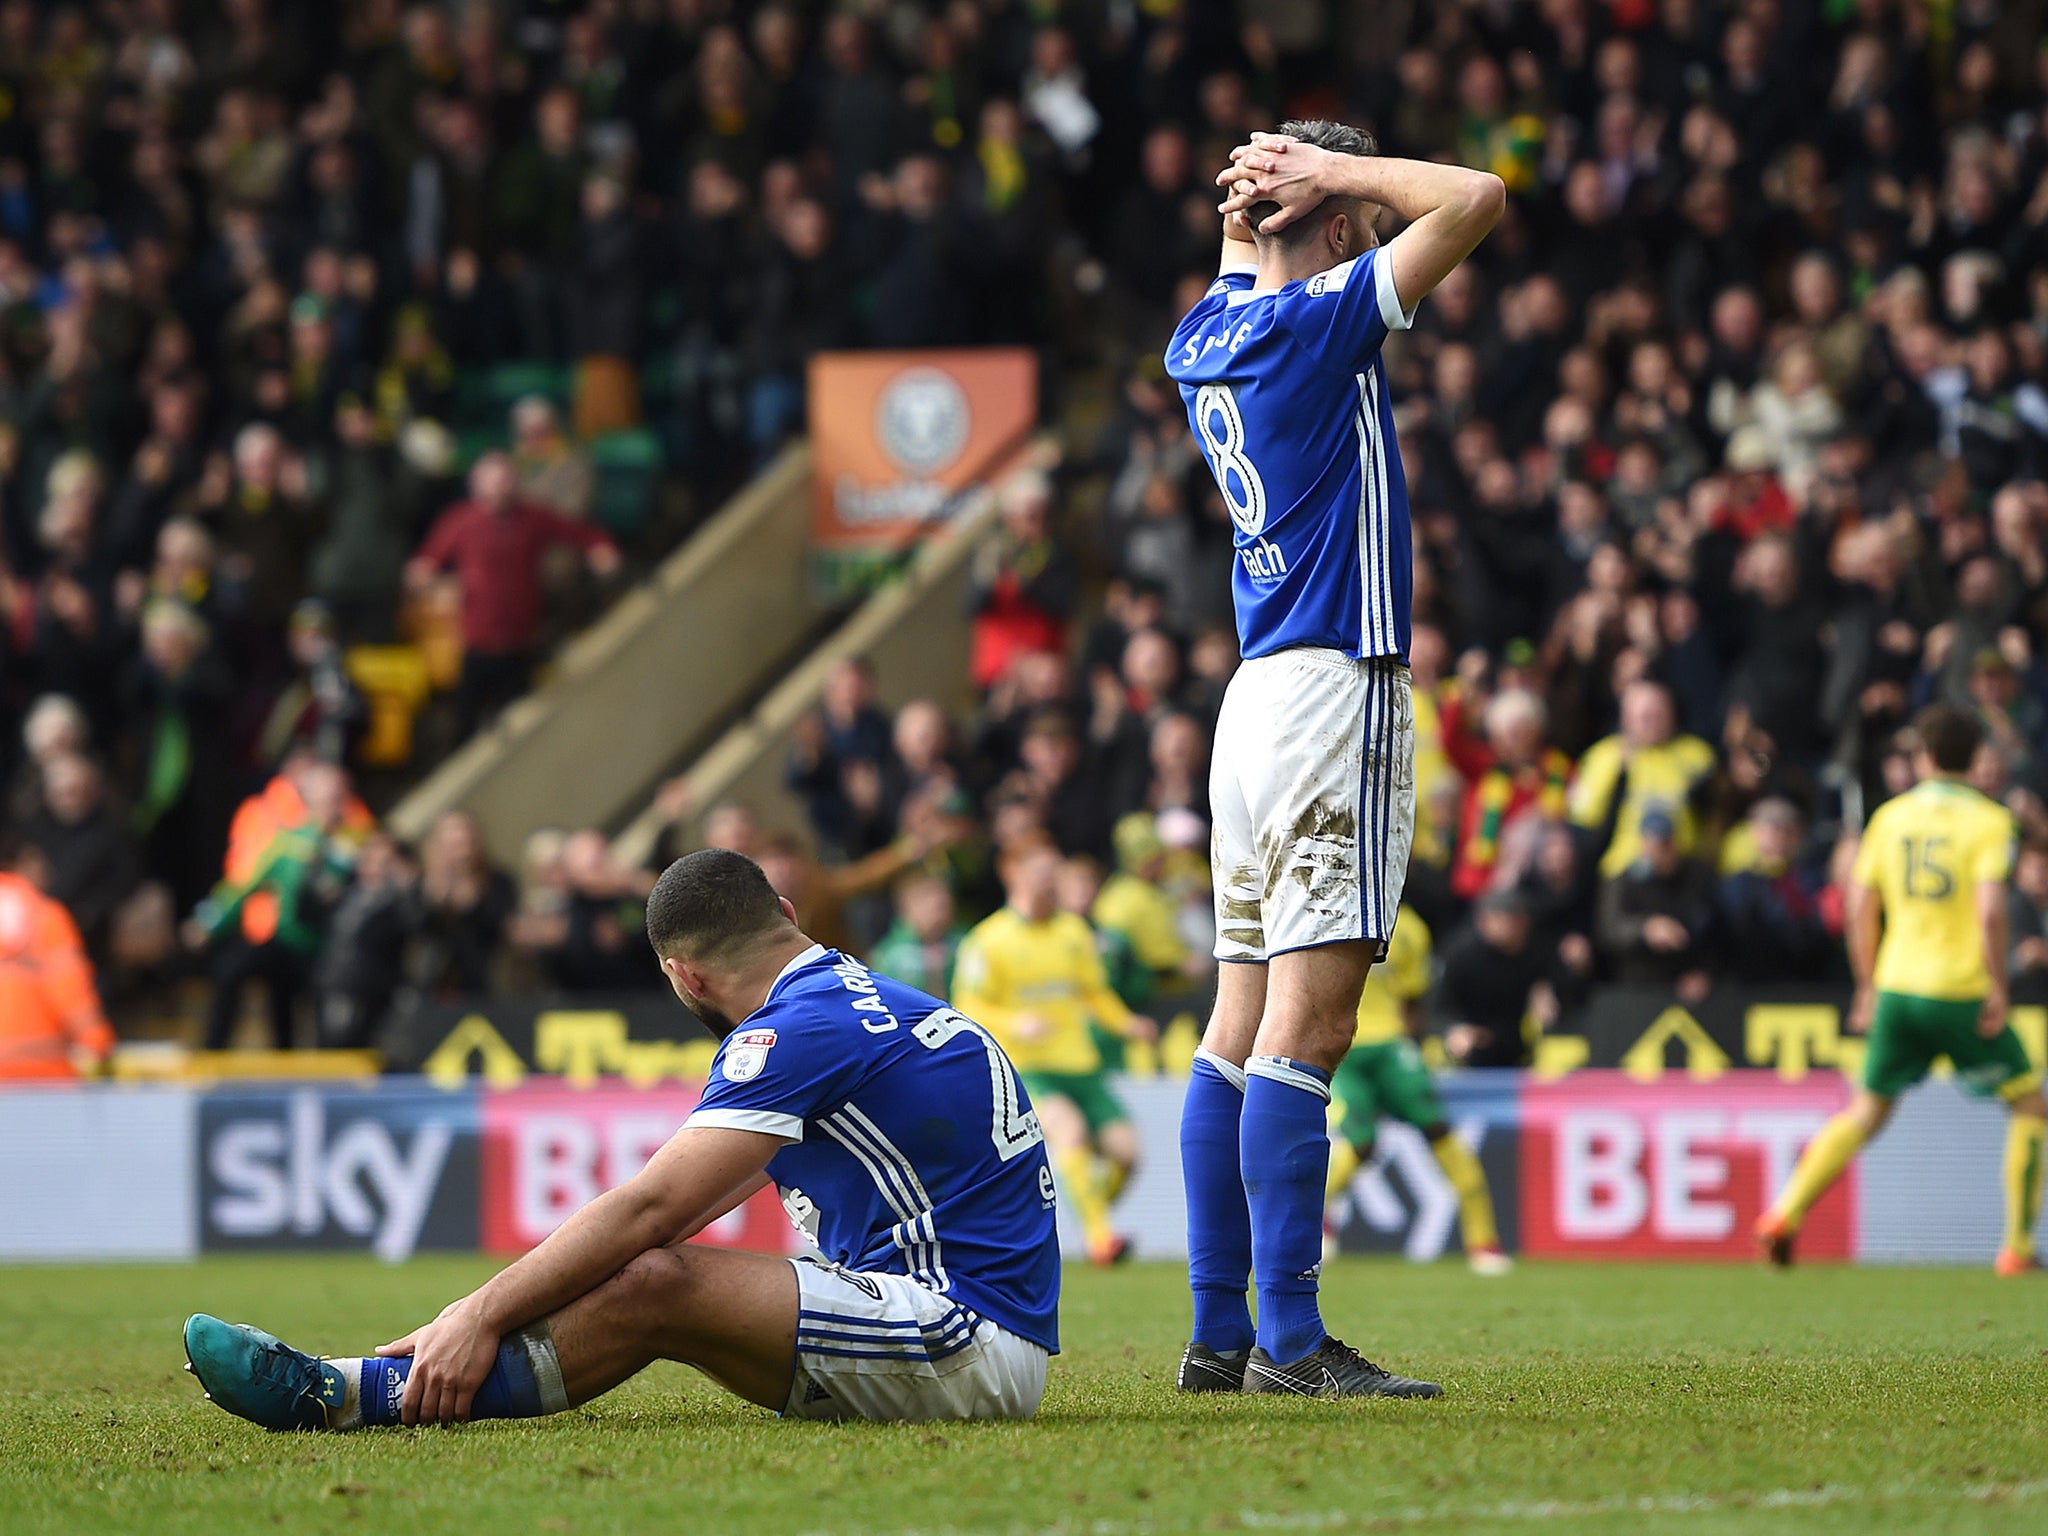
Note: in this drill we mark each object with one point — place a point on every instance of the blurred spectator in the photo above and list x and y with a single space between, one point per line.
1493 979
1025 586
1513 781
50 1020
321 710
288 865
1071 803
2014 720
177 697
494 544
824 894
1655 917
1557 888
2027 913
1646 765
921 945
1769 915
361 964
1133 904
846 736
52 727
371 499
90 859
464 905
595 941
553 472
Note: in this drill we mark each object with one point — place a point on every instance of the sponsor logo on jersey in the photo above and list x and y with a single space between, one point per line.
802 1211
1263 561
747 1054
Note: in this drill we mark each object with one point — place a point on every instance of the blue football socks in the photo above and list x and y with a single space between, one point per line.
1285 1142
1219 1224
525 1383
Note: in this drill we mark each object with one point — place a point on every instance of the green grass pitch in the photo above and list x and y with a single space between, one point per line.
1579 1399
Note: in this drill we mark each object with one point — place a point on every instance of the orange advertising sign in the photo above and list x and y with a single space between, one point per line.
896 436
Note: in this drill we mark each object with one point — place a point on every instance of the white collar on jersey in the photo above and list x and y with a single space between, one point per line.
802 960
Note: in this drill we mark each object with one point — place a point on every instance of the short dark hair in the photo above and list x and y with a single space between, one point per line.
1337 138
711 903
1949 735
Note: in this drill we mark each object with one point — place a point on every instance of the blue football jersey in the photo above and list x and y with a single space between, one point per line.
914 1148
1288 400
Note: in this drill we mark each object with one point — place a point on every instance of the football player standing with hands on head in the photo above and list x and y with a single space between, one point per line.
1313 779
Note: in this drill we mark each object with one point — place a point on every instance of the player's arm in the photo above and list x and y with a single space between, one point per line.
1239 249
688 1182
1106 1007
1861 929
1996 922
1448 208
725 1207
438 552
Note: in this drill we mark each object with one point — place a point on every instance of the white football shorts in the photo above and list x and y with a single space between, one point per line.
1312 791
884 1348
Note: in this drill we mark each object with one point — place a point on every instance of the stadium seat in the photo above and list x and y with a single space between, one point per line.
472 443
433 622
629 467
484 396
395 681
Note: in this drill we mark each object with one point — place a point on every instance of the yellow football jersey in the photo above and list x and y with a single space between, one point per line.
1146 915
1009 967
1661 776
1925 853
1395 982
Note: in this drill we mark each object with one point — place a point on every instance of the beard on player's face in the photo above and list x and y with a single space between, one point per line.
707 1013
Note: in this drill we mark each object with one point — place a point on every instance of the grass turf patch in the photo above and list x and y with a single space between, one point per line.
1578 1398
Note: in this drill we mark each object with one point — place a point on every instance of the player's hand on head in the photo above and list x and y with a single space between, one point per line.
1273 168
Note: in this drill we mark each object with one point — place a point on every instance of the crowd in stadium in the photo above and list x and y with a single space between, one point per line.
1725 450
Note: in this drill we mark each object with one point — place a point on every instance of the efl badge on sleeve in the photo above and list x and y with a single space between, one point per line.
747 1054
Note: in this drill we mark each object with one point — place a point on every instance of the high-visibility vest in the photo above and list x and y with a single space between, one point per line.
49 1007
276 808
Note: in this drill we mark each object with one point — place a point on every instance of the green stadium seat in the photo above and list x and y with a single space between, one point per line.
472 443
484 396
629 468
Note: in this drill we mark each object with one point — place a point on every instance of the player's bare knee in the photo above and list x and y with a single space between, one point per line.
1234 1019
1317 1036
655 1281
1063 1124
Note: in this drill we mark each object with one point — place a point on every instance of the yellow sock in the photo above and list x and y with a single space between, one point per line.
1076 1168
1475 1201
1110 1178
1819 1166
2026 1139
1344 1163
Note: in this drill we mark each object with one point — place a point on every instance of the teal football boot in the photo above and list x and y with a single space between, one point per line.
262 1379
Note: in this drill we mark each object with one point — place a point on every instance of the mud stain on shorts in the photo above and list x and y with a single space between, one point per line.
1319 854
1240 918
